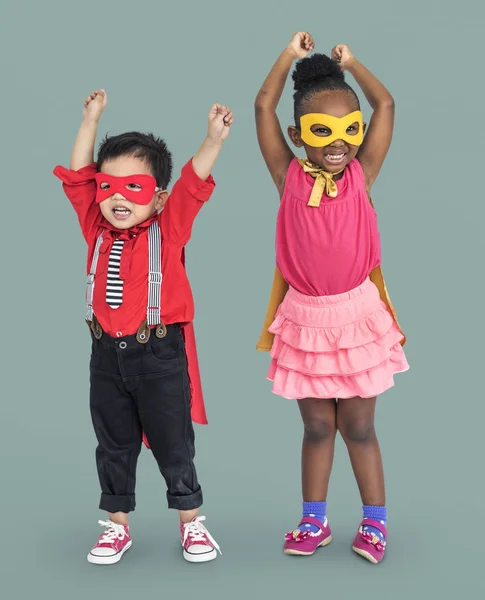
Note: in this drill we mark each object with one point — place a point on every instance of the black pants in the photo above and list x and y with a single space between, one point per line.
143 387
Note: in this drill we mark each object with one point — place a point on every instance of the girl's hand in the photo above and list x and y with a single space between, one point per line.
220 121
301 44
342 54
94 105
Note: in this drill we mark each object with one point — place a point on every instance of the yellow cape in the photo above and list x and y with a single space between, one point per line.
278 292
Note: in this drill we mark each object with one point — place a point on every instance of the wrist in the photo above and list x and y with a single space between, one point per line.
91 121
290 53
350 64
213 141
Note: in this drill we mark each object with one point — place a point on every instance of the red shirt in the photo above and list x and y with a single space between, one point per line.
176 219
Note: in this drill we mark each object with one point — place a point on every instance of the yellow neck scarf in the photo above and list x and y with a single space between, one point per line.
323 182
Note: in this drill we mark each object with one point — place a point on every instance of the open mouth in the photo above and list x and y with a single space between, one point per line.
121 213
335 158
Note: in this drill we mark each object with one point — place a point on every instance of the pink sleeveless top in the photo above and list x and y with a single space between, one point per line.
330 249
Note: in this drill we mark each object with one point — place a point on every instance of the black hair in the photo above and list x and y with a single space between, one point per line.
317 73
151 149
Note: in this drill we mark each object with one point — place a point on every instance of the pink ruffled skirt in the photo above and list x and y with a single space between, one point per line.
341 346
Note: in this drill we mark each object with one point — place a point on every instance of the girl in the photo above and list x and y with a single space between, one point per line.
335 341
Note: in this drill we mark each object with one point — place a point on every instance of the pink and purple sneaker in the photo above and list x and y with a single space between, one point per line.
197 542
112 544
305 543
368 544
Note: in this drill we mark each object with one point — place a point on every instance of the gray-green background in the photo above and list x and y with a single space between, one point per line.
163 65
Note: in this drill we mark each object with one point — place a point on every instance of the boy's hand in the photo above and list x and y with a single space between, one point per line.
342 54
94 105
220 121
301 44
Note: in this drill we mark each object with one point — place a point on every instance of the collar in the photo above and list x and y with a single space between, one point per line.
112 233
323 182
127 234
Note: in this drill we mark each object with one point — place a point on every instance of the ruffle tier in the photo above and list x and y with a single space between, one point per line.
335 347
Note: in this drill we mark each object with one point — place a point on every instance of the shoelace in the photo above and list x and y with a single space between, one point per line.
113 531
199 533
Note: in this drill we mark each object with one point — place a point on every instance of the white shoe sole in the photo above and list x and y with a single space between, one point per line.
199 558
108 560
325 542
365 555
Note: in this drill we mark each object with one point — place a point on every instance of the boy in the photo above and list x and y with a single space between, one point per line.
144 373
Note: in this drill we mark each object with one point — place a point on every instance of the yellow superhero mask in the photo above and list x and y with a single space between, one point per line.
338 129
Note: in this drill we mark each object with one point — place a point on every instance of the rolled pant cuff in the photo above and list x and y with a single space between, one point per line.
185 502
114 504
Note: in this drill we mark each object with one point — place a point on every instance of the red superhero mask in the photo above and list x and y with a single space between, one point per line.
136 188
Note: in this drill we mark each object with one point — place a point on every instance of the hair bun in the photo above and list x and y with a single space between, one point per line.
314 69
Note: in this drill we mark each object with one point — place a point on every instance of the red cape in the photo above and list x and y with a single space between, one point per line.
197 406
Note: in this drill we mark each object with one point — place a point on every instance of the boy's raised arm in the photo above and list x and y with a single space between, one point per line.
83 149
196 185
220 121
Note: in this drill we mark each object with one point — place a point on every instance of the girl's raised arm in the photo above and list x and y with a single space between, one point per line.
274 148
378 138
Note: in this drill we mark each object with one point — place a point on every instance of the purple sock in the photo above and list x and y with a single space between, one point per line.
376 513
317 510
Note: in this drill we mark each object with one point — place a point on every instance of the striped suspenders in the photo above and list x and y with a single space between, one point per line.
154 287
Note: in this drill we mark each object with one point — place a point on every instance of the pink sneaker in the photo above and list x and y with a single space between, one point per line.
368 544
304 543
197 542
112 544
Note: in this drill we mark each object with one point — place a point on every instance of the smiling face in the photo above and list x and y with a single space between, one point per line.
124 208
335 155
